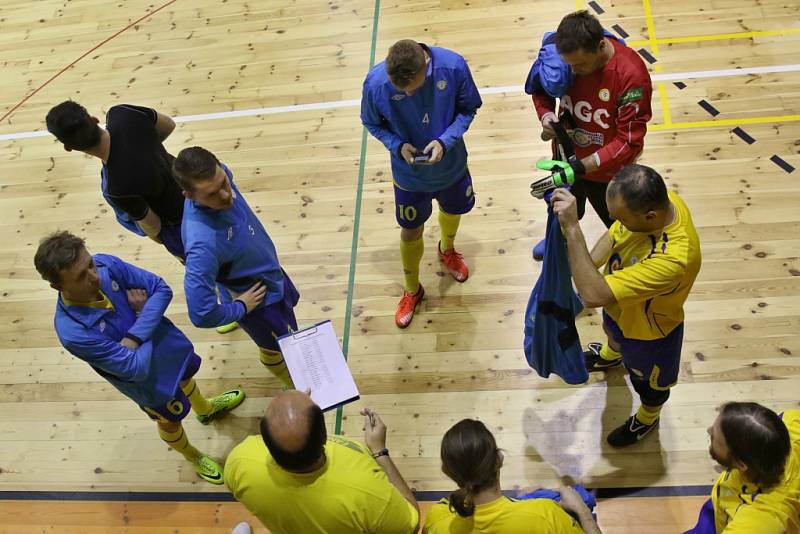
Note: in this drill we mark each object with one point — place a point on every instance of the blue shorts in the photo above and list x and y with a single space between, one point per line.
656 361
175 410
267 323
413 208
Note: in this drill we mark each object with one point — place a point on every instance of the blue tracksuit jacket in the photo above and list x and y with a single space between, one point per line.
443 108
230 247
551 342
149 375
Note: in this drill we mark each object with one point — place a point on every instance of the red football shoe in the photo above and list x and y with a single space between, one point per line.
454 263
405 309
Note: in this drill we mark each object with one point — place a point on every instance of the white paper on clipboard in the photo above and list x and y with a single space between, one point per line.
315 361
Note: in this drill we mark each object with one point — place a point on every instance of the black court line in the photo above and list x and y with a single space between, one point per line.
603 493
680 85
656 491
596 7
622 33
708 107
744 136
647 56
185 496
782 163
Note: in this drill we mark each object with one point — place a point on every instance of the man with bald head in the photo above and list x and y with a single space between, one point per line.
296 478
651 257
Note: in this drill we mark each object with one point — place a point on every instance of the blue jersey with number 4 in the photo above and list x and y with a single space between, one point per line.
443 109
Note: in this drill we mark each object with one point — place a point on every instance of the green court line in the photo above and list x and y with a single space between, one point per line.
348 309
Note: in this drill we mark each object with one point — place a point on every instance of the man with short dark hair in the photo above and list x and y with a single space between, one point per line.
295 478
137 180
652 256
136 177
609 102
226 243
110 314
419 103
759 491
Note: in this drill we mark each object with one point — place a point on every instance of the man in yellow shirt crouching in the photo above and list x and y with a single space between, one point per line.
297 479
759 491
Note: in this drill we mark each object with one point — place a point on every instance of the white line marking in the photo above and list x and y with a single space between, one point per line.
663 77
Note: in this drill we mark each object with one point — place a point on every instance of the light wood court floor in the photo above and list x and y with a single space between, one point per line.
330 213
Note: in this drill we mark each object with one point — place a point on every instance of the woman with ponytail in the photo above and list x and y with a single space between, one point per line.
470 457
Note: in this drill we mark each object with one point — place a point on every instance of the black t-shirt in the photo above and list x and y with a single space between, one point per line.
139 168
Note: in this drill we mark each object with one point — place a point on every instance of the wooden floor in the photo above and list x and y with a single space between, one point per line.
29 517
64 429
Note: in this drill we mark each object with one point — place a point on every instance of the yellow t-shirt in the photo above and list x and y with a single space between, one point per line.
503 516
651 275
741 509
349 494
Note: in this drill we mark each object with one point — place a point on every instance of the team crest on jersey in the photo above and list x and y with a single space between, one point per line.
634 260
582 138
114 285
614 263
398 97
604 95
230 233
441 85
102 326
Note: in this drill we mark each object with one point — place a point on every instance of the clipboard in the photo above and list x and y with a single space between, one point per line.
315 361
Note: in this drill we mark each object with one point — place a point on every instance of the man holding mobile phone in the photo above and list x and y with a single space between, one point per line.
419 103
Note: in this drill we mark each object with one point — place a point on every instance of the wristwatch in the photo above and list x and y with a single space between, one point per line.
383 452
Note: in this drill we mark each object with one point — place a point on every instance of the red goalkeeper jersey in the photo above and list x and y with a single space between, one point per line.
611 108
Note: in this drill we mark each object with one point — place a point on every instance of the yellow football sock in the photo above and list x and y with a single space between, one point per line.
199 403
411 254
647 415
449 226
273 361
179 442
607 353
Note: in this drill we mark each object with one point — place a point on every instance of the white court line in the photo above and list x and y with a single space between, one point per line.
663 77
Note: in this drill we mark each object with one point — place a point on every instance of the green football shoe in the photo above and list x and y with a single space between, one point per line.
208 470
230 327
222 404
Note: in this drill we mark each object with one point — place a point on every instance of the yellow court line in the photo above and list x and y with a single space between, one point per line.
651 35
715 37
662 94
651 31
723 122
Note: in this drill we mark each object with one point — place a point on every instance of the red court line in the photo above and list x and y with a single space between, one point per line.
95 47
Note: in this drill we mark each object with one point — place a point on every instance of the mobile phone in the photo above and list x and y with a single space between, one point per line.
424 158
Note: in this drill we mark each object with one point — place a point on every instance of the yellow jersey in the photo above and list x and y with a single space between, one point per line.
349 494
503 516
650 275
740 508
